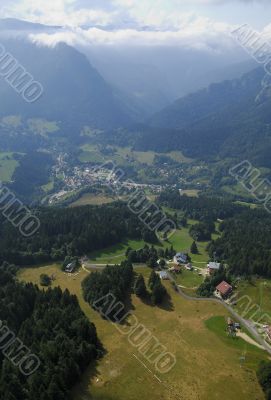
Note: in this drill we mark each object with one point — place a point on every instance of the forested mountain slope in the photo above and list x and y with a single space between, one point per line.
73 91
217 122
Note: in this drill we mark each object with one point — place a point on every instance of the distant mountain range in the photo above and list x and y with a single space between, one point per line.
13 24
75 94
147 78
228 119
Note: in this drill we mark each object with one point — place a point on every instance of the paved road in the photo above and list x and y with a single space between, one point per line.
249 326
236 316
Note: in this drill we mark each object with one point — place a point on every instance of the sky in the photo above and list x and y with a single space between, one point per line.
146 12
191 22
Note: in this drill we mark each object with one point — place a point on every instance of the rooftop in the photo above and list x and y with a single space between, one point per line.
224 287
214 265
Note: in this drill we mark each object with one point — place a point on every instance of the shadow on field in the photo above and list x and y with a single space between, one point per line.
167 304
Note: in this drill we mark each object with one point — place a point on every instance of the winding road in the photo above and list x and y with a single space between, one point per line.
248 325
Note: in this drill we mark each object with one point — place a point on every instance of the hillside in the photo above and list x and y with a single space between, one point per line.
217 121
74 91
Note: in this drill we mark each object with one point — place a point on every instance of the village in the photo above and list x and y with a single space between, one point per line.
181 262
223 292
72 179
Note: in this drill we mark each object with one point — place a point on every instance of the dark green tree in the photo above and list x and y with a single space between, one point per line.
140 287
158 293
153 279
45 280
194 248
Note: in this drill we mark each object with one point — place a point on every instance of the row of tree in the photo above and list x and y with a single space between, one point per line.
113 284
202 231
149 255
52 325
264 378
245 243
70 232
158 291
202 208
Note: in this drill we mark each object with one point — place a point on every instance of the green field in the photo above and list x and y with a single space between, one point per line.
7 166
207 364
115 254
125 155
253 354
188 279
93 199
48 187
190 192
90 153
180 240
257 302
42 127
250 205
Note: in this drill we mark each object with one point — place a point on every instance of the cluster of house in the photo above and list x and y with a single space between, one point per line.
178 260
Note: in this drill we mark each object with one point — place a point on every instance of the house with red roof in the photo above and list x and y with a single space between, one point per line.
224 290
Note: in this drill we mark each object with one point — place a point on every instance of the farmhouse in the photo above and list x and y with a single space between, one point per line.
180 258
213 267
70 267
223 290
163 275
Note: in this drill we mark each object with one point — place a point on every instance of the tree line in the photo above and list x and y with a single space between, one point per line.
115 281
245 243
53 326
149 255
70 232
202 208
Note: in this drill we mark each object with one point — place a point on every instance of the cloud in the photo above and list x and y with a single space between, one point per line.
102 12
197 33
58 12
121 22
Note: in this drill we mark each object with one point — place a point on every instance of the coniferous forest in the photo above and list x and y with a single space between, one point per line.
70 231
52 325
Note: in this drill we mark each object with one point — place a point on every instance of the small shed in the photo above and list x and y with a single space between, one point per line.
163 275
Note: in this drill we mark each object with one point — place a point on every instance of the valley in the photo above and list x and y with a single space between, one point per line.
135 200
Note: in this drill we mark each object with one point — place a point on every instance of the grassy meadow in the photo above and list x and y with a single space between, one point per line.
258 292
188 279
7 166
125 155
208 364
93 200
181 241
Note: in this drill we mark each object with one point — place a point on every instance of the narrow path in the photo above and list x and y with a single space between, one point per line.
248 339
241 320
